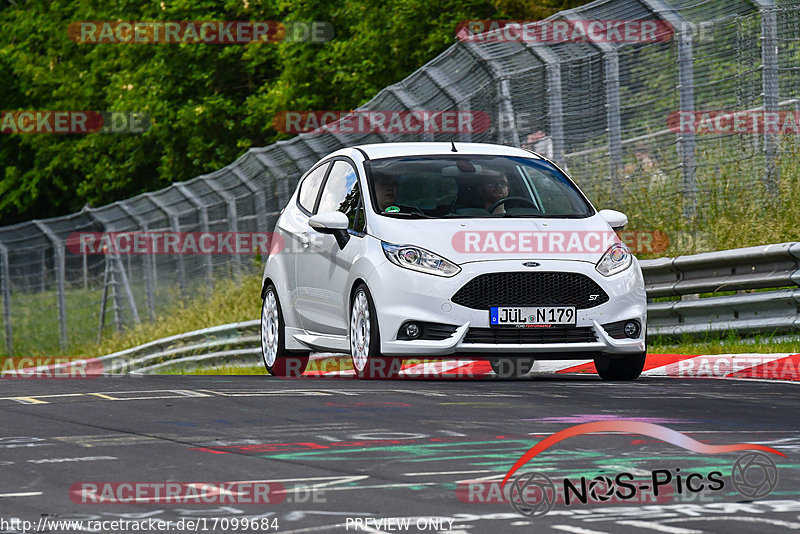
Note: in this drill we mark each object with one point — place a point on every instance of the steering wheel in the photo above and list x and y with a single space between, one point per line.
503 200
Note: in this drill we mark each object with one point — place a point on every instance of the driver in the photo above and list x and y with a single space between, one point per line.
493 187
386 189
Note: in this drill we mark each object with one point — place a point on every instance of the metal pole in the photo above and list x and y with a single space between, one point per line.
259 198
554 99
60 261
176 226
43 270
451 90
127 288
686 140
613 120
203 209
507 133
102 321
769 79
148 263
116 304
233 218
6 276
410 103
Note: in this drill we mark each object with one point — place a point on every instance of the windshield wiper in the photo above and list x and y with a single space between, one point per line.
414 215
525 215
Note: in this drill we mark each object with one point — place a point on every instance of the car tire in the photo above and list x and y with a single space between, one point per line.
278 360
511 367
365 341
620 369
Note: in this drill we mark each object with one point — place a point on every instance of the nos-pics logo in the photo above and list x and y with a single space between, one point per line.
754 475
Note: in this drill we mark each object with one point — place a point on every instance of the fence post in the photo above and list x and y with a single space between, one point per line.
147 262
769 80
686 140
127 287
410 103
176 227
60 261
554 100
459 101
5 273
613 120
282 188
233 222
507 132
203 209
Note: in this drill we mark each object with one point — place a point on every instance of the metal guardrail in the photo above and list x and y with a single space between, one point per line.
742 270
231 344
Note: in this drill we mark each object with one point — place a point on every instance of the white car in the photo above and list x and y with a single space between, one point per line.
443 250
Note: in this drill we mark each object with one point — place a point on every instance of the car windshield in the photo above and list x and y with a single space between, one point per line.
472 186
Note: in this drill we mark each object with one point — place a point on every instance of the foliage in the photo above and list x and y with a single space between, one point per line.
207 102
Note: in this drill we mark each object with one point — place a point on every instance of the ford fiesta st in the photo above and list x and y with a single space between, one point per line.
442 250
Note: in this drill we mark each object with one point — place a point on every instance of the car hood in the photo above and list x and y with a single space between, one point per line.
469 240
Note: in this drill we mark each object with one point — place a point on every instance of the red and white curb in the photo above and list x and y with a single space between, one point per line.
776 366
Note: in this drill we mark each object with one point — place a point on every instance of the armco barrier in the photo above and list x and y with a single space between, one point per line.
236 343
742 270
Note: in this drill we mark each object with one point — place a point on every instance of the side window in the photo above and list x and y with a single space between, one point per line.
310 187
341 193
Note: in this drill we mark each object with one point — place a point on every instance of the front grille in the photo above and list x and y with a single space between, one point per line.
511 336
530 289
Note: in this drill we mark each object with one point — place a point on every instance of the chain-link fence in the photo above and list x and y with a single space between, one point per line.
600 108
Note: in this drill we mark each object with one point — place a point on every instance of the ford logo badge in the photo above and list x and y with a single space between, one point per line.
530 264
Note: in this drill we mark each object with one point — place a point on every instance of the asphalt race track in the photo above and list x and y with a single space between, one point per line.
344 455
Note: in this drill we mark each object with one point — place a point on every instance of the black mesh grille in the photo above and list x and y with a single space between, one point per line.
511 336
616 330
530 289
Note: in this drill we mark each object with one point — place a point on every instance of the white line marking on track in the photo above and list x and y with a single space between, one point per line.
743 519
433 473
578 530
314 529
658 527
23 494
381 486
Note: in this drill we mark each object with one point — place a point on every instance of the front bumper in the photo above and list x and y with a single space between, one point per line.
401 295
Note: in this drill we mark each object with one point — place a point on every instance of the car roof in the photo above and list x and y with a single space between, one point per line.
388 150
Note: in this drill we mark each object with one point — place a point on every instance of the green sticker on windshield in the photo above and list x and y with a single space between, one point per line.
392 209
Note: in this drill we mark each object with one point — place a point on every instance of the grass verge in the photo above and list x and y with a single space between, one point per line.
230 301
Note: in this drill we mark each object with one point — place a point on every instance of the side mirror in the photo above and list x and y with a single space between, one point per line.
615 219
334 223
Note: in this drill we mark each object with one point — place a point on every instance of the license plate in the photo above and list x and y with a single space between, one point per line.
531 317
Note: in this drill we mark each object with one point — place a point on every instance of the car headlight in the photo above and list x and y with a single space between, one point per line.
419 259
617 258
